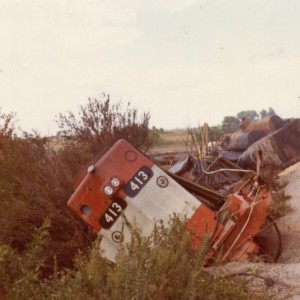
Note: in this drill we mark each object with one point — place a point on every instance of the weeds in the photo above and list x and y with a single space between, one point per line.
280 205
36 180
20 272
101 123
162 266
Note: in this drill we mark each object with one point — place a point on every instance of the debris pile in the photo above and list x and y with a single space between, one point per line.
269 143
279 149
277 143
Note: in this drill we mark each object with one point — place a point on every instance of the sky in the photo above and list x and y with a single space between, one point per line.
185 62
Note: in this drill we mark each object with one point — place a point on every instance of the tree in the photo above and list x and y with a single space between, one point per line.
35 183
271 112
264 113
230 124
215 133
252 115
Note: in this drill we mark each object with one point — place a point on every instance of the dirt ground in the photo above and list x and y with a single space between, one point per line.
280 279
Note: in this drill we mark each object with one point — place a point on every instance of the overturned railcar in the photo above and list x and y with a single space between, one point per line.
278 149
248 135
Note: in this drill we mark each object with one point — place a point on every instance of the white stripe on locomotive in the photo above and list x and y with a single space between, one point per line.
152 203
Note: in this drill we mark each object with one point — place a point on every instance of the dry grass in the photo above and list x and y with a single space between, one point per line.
280 205
174 137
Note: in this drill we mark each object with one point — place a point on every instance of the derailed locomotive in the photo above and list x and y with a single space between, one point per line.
125 186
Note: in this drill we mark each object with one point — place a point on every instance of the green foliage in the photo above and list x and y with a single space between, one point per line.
34 185
156 267
155 136
280 205
20 271
264 113
162 266
158 130
36 180
230 124
252 115
215 133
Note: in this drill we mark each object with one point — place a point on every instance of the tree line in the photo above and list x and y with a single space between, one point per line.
231 123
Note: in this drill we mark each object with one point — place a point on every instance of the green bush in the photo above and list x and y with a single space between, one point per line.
280 205
20 271
162 266
36 176
35 185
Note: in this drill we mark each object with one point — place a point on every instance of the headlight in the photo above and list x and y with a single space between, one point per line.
115 182
108 190
90 168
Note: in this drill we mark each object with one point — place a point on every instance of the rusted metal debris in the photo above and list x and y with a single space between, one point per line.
279 149
249 133
216 173
272 141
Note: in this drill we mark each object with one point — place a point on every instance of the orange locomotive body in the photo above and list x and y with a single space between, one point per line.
125 185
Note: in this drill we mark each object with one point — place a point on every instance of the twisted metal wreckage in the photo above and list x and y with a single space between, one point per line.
223 199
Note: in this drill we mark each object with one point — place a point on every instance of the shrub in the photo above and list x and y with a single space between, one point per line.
34 185
280 205
100 123
20 271
162 266
36 179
